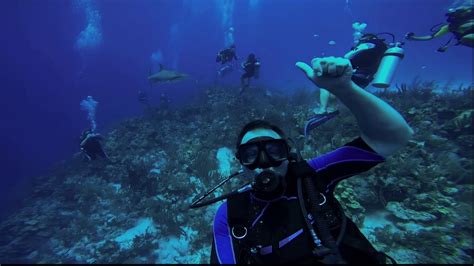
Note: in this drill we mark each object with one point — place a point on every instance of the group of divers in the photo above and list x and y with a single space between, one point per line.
366 58
242 224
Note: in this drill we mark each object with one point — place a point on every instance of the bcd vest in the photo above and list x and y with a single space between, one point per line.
275 232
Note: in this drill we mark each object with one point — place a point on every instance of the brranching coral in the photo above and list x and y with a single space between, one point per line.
417 207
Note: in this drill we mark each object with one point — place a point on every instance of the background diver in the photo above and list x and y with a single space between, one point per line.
366 60
271 222
91 145
460 22
225 57
251 69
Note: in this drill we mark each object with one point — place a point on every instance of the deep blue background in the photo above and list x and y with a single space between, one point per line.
44 77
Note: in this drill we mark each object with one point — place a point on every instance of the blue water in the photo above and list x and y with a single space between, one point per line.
47 69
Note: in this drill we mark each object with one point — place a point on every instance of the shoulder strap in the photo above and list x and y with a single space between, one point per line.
239 215
238 209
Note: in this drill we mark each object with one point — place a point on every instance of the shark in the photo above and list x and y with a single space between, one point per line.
164 75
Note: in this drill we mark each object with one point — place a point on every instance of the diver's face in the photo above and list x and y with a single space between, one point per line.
263 149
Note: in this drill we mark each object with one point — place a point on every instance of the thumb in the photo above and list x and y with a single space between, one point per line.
306 69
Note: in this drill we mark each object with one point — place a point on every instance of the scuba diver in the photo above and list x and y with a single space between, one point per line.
91 145
372 58
251 69
460 22
288 213
225 57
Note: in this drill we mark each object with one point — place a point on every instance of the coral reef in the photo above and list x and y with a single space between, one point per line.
417 207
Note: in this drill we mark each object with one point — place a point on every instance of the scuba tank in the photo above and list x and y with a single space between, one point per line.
257 69
388 65
372 58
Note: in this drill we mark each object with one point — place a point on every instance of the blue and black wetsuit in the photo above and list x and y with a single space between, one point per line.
275 230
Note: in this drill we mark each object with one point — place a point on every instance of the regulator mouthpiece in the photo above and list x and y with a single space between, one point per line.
266 181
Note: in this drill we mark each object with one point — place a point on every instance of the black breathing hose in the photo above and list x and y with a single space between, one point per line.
387 33
320 249
197 204
342 231
328 240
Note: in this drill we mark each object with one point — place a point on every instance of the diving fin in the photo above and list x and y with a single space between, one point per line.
445 47
317 120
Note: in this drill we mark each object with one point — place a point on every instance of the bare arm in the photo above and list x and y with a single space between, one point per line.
441 32
382 127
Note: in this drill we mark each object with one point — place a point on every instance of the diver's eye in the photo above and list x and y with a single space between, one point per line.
249 154
276 150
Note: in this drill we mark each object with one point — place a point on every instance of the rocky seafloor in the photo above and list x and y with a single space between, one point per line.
416 207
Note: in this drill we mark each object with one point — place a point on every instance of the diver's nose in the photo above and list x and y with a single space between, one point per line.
263 160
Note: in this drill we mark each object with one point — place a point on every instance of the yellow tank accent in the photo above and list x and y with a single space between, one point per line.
442 31
468 40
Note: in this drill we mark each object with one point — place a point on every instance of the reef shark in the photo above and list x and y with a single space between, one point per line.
166 75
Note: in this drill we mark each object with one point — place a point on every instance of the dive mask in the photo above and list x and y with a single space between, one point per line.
263 153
